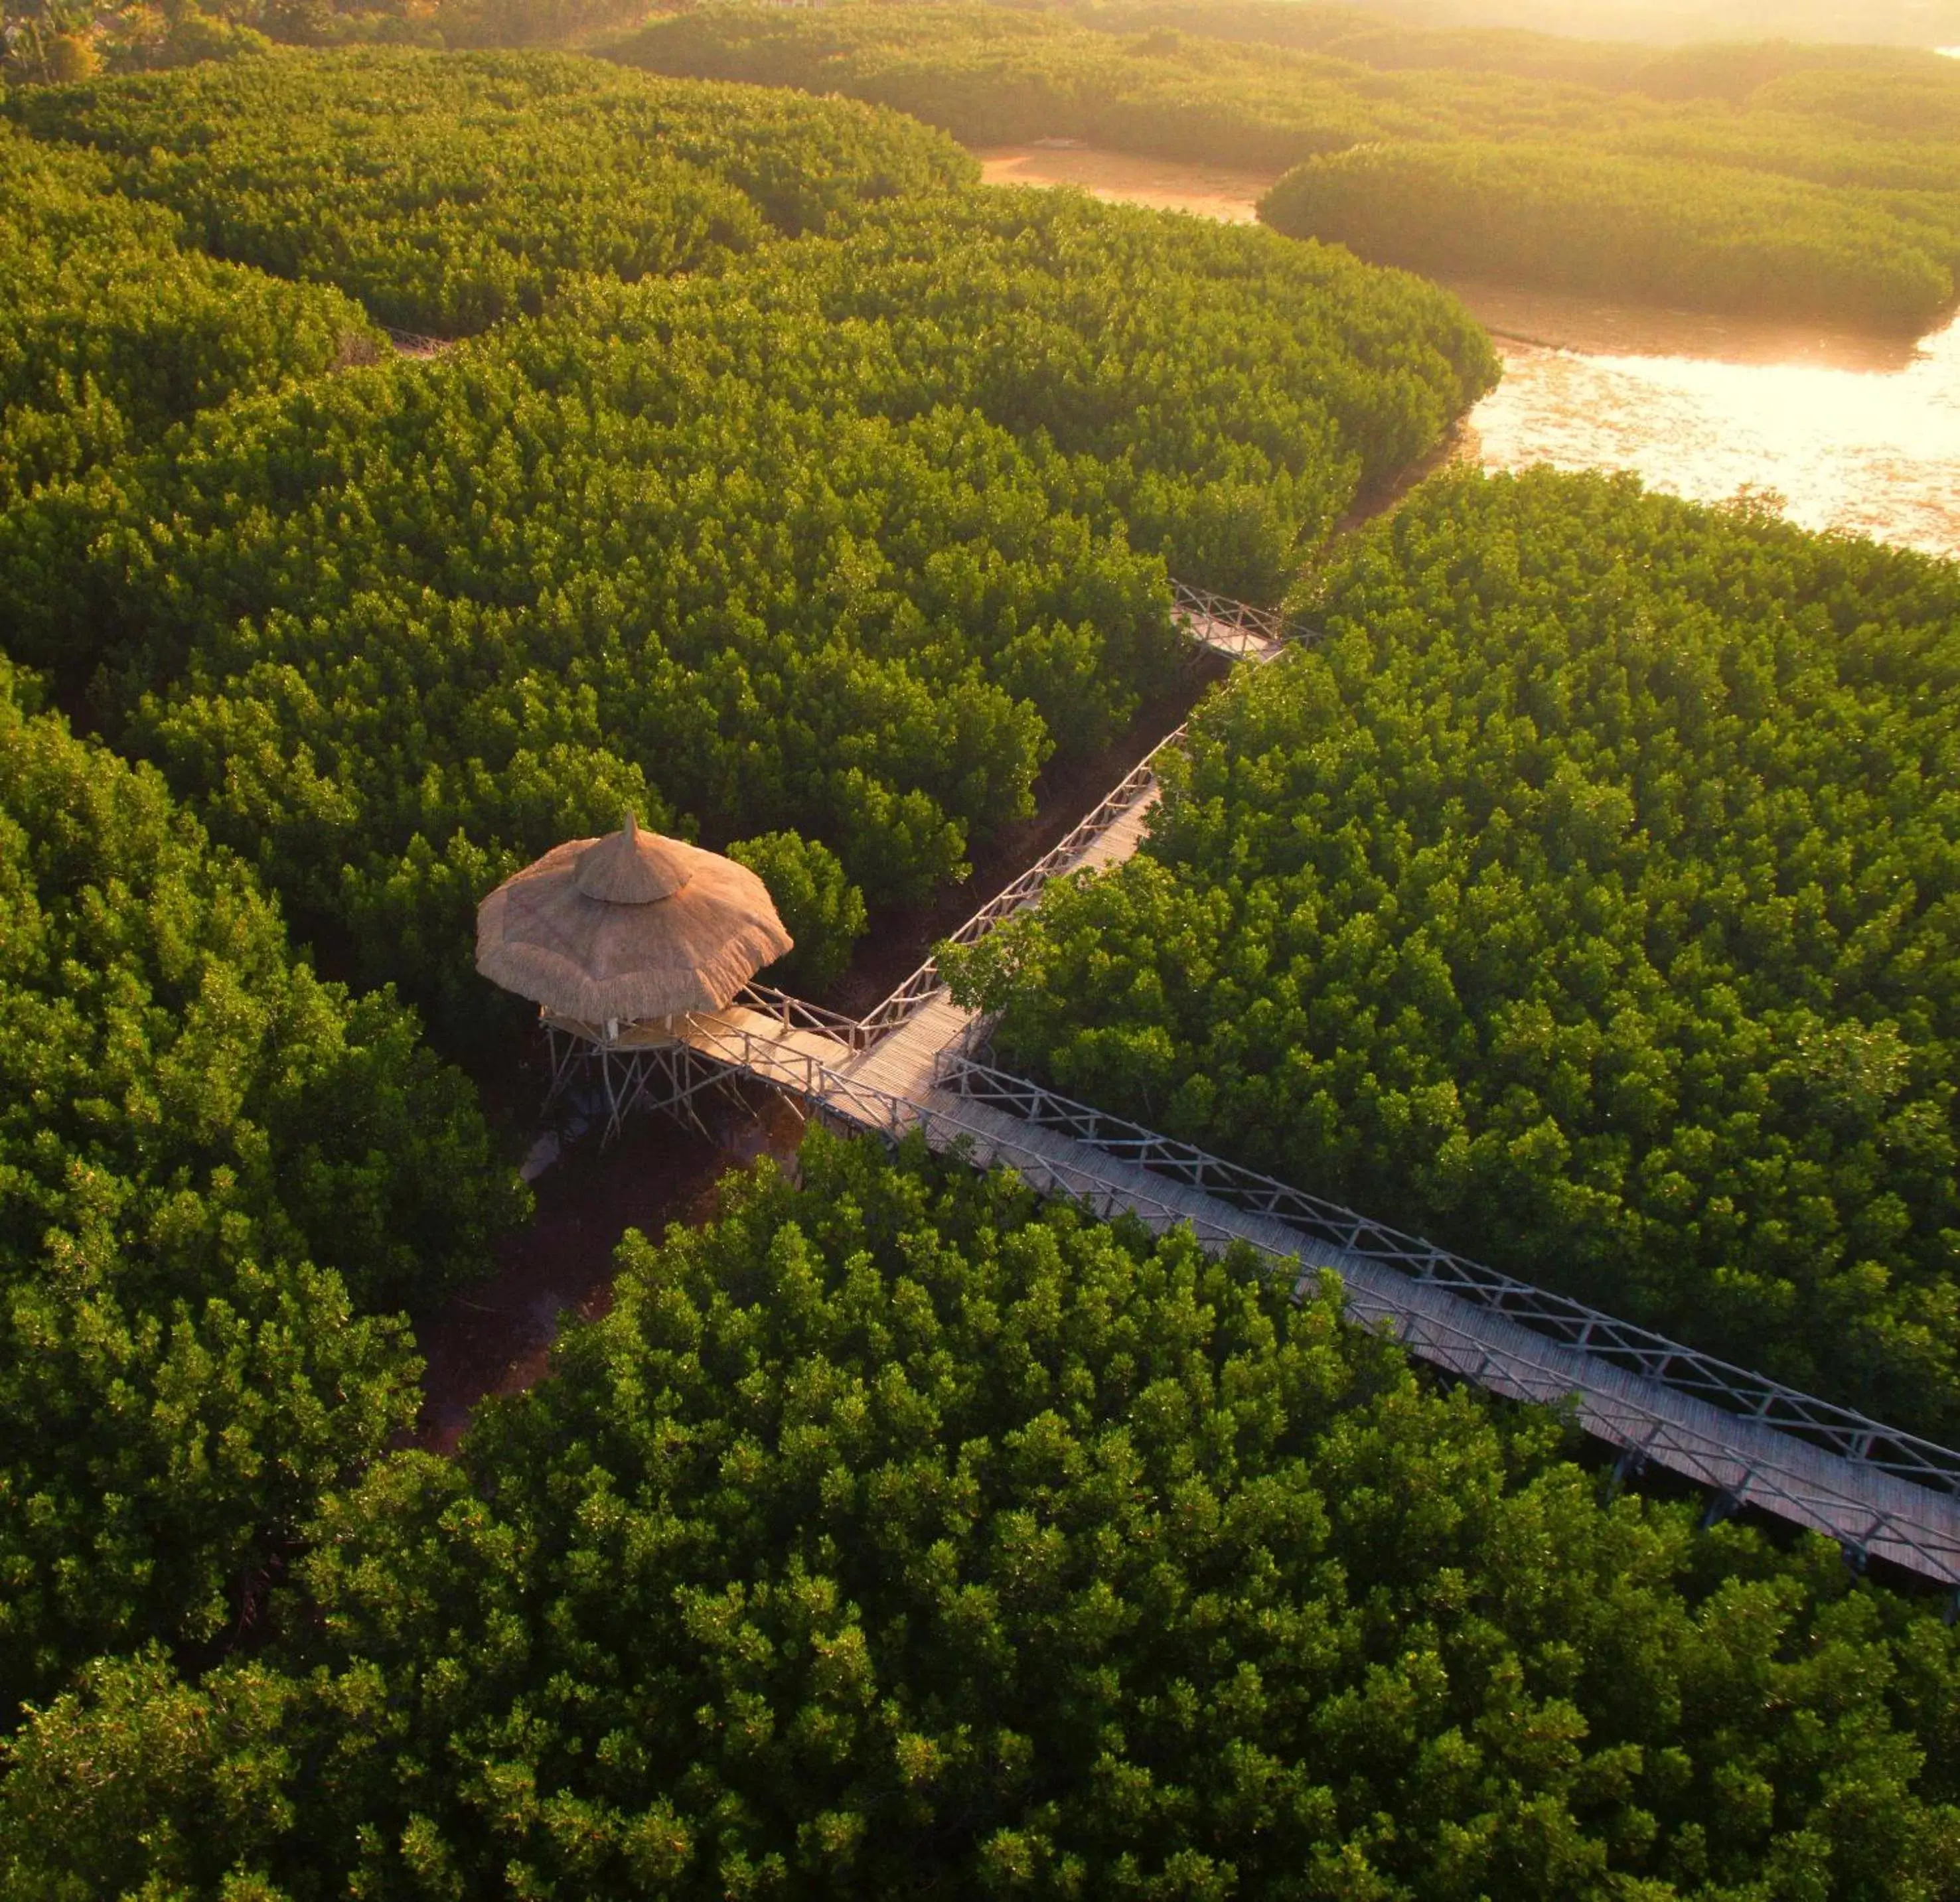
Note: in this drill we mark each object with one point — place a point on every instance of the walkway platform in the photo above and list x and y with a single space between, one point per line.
898 1085
907 1066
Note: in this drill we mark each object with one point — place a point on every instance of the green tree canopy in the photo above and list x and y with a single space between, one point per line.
821 909
1586 899
897 1535
447 191
113 328
215 1171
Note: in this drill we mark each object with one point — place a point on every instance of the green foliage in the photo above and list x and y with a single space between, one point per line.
1814 181
791 618
991 75
447 193
133 1740
1651 230
111 331
838 540
1588 900
212 1167
194 37
896 1536
1222 397
820 909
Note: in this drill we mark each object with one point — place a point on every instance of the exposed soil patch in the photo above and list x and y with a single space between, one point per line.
1228 193
410 343
496 1337
1460 443
1602 327
899 941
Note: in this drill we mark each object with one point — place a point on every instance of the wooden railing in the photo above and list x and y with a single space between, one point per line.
1260 632
1235 627
1139 785
1801 1459
1851 1435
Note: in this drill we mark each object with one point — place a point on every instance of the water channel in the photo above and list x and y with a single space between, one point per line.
1846 431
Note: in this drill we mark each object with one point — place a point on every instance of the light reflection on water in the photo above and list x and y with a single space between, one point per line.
1874 450
1853 432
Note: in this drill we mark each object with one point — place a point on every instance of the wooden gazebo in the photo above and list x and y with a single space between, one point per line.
617 939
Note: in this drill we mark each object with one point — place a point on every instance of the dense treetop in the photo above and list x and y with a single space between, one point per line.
693 599
895 1535
842 538
1225 397
1587 898
214 1171
113 328
448 193
1703 144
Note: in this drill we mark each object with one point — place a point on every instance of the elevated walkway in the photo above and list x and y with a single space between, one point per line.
910 1081
910 1066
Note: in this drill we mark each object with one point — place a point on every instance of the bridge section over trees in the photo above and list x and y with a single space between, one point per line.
911 1066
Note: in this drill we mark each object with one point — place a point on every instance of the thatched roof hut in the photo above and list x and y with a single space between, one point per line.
627 928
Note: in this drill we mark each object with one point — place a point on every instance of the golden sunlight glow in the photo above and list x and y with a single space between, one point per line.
1852 431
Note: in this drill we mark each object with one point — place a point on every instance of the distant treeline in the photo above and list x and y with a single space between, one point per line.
1649 229
990 75
1900 22
1818 181
1414 36
53 41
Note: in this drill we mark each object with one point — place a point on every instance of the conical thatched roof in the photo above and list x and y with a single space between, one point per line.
630 927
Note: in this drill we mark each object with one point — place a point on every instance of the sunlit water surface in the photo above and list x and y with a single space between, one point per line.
1850 432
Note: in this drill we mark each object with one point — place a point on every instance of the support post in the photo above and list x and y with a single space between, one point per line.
1631 1463
567 1052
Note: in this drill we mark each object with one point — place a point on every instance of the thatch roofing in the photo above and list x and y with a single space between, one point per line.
629 926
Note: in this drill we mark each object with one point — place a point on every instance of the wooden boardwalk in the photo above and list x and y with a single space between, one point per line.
904 1069
896 1086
